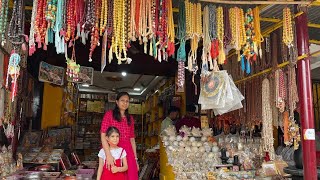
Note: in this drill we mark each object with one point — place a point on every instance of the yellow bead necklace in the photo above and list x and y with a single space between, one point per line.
258 38
287 33
220 35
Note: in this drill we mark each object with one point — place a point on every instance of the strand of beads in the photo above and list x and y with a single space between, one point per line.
32 45
3 20
220 35
103 17
181 54
171 34
258 38
287 36
248 50
95 30
16 28
59 41
132 26
267 127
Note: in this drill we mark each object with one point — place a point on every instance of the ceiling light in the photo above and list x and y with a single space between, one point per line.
124 74
136 89
85 85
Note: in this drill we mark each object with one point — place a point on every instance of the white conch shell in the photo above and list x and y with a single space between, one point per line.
186 130
196 132
207 132
170 131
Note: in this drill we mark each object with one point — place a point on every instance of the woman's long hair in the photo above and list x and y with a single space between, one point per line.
116 112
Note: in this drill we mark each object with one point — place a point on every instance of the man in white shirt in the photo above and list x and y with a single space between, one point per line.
169 120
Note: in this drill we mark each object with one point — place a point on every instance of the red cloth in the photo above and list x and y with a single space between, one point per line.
106 174
188 121
126 133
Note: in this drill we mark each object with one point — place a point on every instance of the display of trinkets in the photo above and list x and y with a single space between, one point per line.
7 164
193 153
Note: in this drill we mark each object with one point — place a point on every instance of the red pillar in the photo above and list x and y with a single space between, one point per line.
305 100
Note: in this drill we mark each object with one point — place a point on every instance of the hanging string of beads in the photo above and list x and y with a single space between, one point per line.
3 20
258 38
267 127
103 17
51 18
206 50
95 30
59 41
171 33
287 36
248 50
220 35
32 44
16 26
41 24
214 50
280 90
181 53
118 45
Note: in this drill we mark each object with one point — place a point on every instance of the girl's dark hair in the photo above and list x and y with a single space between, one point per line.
116 112
111 130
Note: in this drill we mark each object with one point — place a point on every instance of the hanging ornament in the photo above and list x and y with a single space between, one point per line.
13 72
73 68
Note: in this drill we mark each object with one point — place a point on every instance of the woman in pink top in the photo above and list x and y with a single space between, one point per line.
119 117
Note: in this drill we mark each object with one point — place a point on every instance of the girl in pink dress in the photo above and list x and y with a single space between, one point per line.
119 154
119 117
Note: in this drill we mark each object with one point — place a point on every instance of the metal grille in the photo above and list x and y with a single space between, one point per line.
316 103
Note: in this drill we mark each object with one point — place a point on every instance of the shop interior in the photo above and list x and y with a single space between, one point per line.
238 64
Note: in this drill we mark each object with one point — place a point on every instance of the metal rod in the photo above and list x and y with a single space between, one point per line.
269 70
305 100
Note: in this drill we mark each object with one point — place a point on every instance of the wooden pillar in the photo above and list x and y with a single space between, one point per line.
305 99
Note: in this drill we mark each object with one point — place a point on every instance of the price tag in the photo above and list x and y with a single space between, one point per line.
309 134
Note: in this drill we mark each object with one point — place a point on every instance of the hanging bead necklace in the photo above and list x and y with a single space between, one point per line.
267 127
41 24
181 35
59 41
32 45
110 18
132 25
16 26
90 17
171 33
206 53
118 39
95 30
103 16
220 35
212 22
287 36
227 32
258 38
248 50
3 20
280 90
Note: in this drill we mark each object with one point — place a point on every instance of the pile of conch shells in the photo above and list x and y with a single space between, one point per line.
191 153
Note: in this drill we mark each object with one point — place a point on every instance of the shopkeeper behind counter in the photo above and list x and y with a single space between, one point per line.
189 119
171 118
